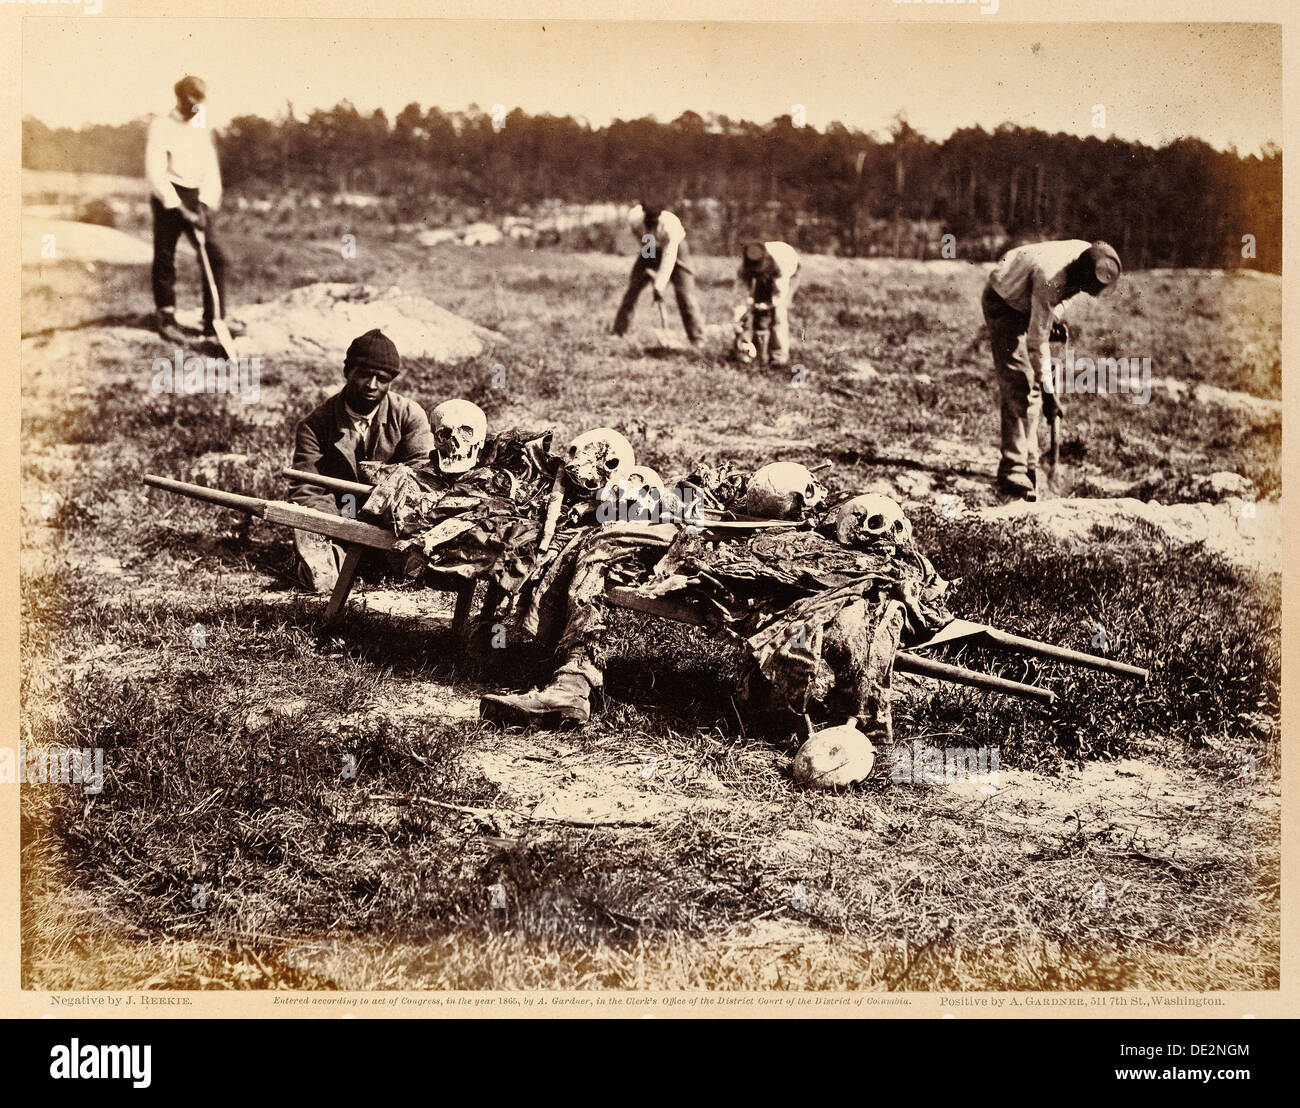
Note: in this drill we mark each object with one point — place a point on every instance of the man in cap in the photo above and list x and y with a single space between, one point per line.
1026 295
365 422
184 178
663 258
770 272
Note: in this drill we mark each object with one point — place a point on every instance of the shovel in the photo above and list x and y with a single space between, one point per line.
665 339
224 337
1054 425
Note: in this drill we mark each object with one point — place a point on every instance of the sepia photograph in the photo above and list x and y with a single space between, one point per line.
590 508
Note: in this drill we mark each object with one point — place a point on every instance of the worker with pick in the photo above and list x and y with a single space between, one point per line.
1026 295
662 260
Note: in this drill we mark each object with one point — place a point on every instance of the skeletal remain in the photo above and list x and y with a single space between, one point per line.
642 497
598 458
459 429
642 477
871 519
782 490
834 756
744 349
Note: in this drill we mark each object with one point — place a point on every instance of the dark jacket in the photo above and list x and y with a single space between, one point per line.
400 432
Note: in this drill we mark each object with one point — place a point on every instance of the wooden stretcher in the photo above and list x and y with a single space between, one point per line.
358 536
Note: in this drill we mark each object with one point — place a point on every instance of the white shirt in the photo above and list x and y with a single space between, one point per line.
1031 279
668 230
359 424
182 152
787 261
669 234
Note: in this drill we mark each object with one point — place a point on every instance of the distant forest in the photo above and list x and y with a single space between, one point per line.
836 190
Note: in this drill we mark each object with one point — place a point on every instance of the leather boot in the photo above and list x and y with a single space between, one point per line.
1018 486
565 702
168 329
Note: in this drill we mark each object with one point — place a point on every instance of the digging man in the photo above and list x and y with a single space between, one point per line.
770 273
365 422
1026 295
663 260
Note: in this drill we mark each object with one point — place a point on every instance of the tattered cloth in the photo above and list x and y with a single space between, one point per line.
484 524
487 525
780 591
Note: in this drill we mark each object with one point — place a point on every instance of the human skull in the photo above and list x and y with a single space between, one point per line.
834 756
639 496
598 458
870 519
459 428
641 477
782 490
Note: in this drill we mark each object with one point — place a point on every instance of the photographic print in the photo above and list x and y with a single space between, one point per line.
606 508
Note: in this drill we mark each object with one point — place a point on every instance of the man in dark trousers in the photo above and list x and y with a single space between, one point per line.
1026 295
365 422
663 259
184 178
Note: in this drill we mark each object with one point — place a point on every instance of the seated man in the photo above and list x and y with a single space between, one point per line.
364 422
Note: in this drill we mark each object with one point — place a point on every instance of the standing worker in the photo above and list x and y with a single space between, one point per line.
663 258
180 164
770 271
1026 295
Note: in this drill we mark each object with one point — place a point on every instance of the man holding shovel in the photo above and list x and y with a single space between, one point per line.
185 186
663 259
1026 295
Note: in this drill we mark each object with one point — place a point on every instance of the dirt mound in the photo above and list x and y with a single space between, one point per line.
80 242
1253 407
322 319
1241 531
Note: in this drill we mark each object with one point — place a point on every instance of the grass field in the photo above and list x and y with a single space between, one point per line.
231 845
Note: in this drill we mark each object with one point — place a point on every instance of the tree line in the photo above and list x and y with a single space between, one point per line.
836 190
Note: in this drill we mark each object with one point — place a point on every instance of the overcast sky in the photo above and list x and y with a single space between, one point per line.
1217 82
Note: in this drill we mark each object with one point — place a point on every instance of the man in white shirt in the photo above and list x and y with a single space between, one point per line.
770 272
663 258
184 178
1026 295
